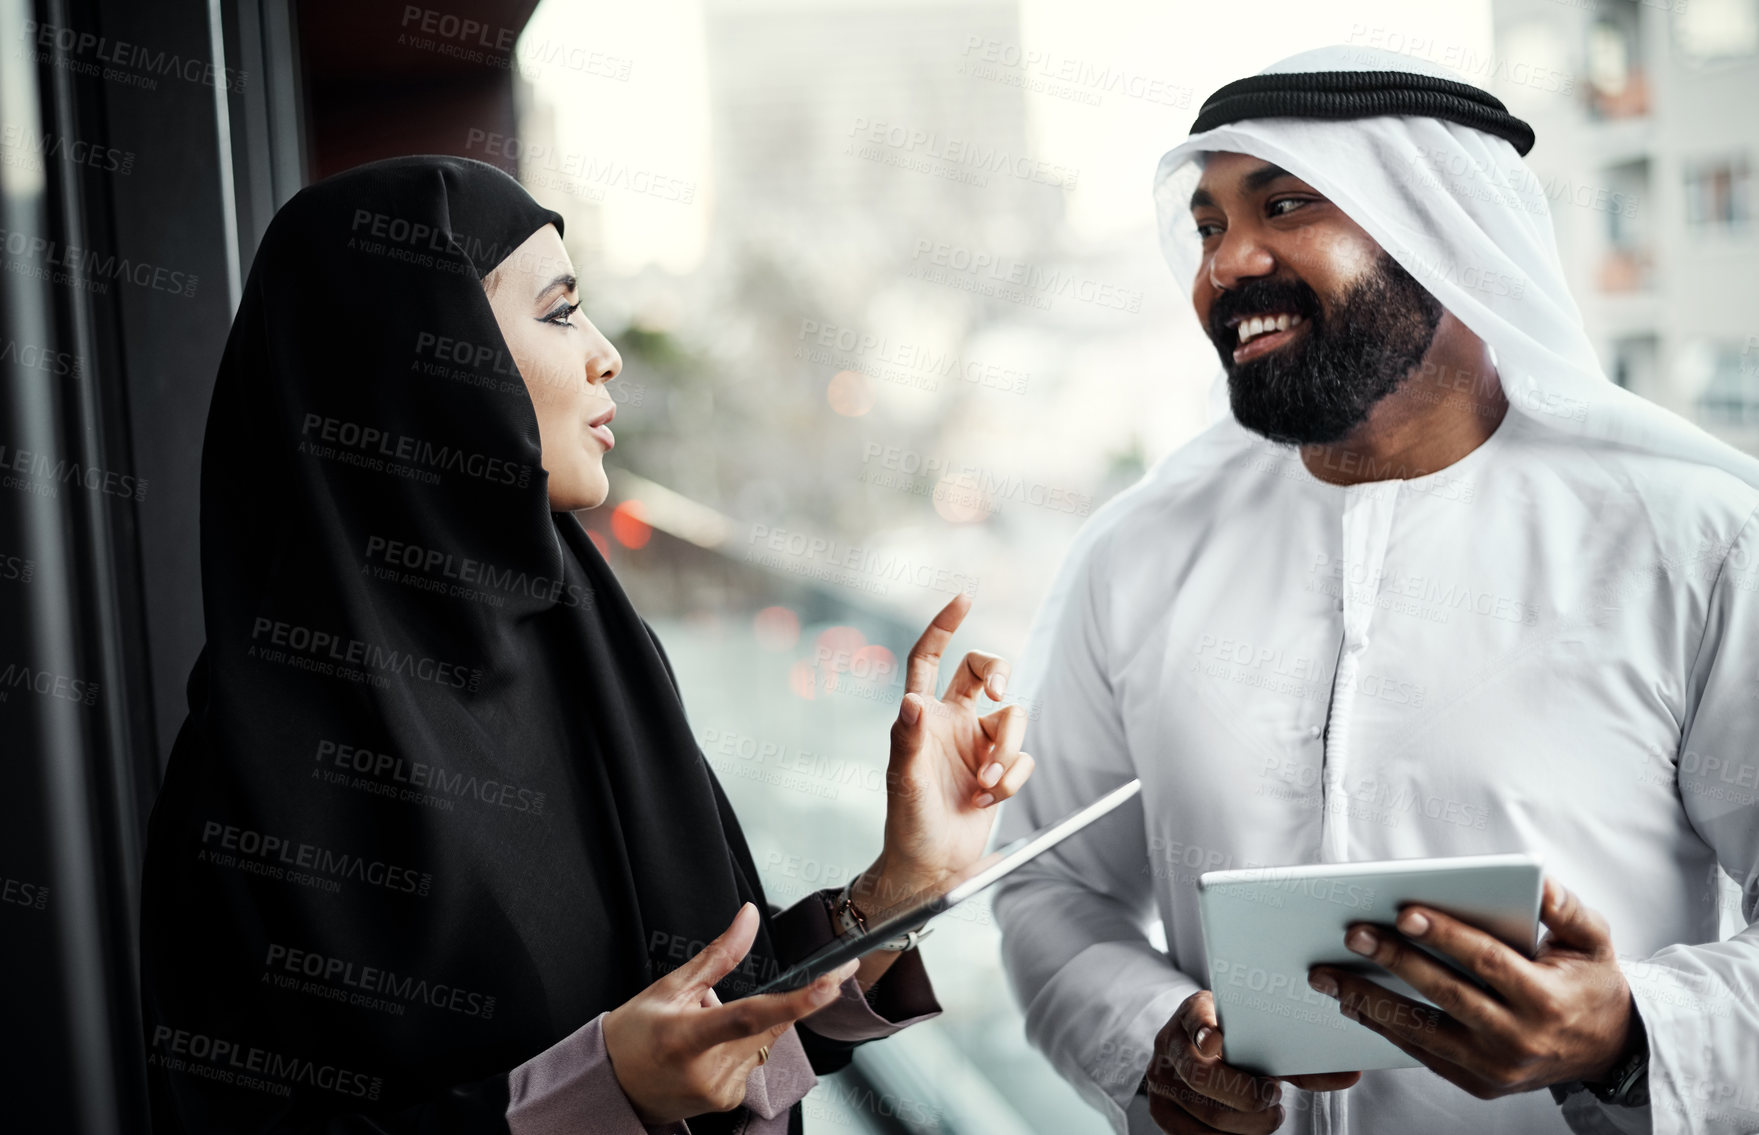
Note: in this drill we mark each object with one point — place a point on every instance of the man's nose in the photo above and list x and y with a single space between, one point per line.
1239 256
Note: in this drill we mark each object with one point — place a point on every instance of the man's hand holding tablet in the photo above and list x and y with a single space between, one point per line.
1564 1015
1498 1018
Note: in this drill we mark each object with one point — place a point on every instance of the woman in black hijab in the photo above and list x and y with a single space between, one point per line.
436 850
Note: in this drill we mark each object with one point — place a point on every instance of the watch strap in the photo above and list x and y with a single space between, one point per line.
851 920
1627 1086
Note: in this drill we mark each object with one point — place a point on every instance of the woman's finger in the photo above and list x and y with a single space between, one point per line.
979 671
1005 728
756 1016
1014 779
922 668
908 729
746 1052
717 959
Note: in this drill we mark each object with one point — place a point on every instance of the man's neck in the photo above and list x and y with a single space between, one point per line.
1449 406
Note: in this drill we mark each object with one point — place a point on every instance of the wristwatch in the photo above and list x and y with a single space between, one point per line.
1629 1083
1626 1086
851 920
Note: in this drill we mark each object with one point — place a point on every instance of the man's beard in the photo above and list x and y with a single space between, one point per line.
1321 387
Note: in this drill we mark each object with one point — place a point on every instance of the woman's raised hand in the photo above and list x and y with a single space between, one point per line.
951 764
677 1051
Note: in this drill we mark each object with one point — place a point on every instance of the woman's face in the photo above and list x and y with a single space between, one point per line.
565 363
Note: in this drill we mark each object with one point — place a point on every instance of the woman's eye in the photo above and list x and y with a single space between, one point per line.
1275 208
564 313
1207 230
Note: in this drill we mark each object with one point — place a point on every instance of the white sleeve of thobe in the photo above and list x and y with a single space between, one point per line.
1700 1002
1095 990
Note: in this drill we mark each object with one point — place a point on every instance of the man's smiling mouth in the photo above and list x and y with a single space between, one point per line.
1250 327
1263 333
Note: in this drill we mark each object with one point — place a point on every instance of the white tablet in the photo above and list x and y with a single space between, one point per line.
1265 927
916 910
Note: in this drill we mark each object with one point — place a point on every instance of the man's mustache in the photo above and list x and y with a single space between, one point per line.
1255 298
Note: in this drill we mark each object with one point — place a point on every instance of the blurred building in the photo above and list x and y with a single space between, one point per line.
1647 146
809 97
856 149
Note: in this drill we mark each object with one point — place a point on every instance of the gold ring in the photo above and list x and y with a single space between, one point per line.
763 1055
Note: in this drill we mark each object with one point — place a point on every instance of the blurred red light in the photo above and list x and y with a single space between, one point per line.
629 524
839 644
777 628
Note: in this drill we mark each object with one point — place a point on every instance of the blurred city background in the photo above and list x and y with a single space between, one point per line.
894 319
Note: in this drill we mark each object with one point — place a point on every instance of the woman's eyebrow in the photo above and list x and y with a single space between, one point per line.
565 281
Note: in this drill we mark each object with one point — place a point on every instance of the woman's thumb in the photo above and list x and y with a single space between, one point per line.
907 729
719 957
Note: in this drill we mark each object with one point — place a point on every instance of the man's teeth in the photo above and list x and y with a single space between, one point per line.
1252 328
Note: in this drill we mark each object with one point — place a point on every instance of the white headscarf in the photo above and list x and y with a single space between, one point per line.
1462 213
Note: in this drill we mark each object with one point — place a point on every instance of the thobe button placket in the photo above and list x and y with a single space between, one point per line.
1367 523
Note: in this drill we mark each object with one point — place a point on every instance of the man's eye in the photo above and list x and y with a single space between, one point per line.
1275 208
1207 229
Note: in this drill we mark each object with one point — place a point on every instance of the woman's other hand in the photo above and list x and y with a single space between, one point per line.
951 764
677 1051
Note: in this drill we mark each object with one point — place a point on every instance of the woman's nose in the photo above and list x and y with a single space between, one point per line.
603 365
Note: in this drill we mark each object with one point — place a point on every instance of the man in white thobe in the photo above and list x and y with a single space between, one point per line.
1434 587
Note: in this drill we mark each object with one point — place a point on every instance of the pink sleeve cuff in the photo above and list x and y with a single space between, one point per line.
899 999
570 1088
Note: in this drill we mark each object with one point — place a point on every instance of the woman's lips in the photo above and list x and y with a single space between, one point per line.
600 427
1266 342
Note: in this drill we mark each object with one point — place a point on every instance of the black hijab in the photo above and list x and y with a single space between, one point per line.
436 803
